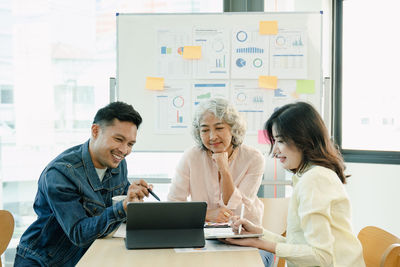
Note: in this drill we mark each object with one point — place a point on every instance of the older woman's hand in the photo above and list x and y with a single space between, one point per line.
219 215
221 160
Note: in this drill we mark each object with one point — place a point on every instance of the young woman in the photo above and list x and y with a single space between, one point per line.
319 230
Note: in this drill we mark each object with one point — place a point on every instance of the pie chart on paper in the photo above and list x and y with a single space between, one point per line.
240 62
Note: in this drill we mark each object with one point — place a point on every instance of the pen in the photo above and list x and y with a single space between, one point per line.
241 217
152 193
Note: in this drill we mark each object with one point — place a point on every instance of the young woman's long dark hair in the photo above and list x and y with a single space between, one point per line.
300 124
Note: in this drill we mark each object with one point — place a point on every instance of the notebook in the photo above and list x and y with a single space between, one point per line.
215 233
165 224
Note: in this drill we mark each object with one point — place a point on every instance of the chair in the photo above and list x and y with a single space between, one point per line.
274 219
6 230
275 214
380 248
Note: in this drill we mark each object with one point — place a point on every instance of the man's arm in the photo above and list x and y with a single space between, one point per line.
69 206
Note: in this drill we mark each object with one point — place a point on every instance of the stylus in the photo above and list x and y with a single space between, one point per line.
152 193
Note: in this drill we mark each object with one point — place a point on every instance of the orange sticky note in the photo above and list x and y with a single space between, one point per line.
154 83
192 52
263 137
269 82
269 27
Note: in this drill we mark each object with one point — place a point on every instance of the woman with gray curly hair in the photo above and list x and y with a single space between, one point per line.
220 170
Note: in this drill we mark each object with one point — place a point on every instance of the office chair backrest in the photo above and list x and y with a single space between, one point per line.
380 248
6 230
275 214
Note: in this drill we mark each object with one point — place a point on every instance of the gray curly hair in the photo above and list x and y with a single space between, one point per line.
225 111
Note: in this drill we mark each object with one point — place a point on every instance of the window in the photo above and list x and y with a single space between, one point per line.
365 78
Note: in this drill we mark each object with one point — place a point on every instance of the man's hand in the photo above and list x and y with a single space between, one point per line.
136 192
219 215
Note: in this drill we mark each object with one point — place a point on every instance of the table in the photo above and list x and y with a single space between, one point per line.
112 252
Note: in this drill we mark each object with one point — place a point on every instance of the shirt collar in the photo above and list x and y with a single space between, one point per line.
297 176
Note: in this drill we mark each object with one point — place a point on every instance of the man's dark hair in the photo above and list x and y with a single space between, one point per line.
117 110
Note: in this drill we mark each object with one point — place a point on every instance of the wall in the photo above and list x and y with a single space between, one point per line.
374 193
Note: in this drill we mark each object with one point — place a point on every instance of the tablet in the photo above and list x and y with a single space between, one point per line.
165 225
215 233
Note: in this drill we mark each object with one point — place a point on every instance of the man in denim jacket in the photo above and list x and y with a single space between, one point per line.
74 198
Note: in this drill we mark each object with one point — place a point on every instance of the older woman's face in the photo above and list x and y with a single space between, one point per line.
215 134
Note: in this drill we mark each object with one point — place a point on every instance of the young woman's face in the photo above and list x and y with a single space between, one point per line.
288 154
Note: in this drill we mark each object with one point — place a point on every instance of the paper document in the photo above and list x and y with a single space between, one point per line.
213 246
121 231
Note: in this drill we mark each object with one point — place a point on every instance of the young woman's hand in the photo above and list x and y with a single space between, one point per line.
247 226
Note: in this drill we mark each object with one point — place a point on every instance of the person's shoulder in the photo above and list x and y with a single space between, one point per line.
320 174
69 157
250 152
193 152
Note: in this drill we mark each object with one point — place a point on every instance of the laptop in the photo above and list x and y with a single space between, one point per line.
165 224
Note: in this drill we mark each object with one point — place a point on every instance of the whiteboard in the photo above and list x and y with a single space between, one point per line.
234 56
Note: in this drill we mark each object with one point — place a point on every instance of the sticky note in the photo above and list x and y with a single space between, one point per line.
263 137
269 82
305 86
269 27
154 83
192 52
295 95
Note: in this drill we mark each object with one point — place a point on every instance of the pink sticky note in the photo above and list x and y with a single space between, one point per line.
262 137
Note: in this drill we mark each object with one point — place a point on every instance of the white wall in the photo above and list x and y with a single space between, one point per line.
374 191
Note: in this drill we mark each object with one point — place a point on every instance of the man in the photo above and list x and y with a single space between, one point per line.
74 198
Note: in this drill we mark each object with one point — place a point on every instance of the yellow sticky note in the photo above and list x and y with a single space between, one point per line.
269 82
269 27
192 52
305 86
154 83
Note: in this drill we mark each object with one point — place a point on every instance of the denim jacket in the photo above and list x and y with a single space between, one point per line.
74 208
